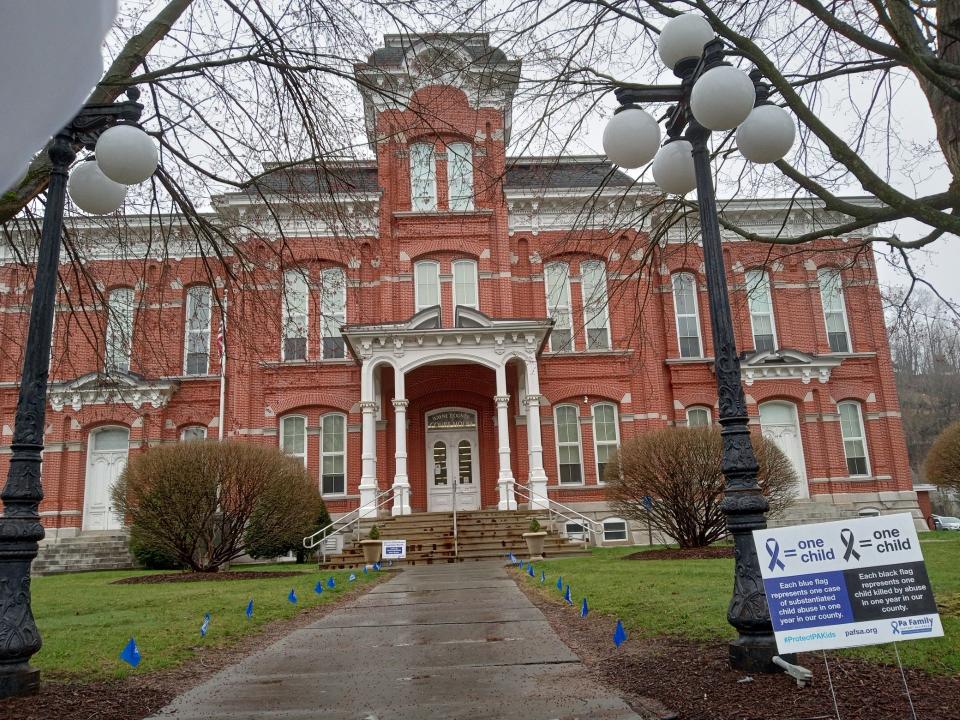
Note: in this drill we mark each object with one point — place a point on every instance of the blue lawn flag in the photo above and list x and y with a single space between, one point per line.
389 563
566 596
250 609
376 566
513 558
205 626
292 597
543 577
318 588
352 577
131 653
530 571
364 569
560 583
583 608
619 635
331 583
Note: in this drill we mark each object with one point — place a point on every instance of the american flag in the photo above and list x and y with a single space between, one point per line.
221 346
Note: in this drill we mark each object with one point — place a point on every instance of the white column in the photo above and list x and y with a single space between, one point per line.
401 483
368 458
537 479
508 500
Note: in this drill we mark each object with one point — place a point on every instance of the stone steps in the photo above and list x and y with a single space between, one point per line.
102 551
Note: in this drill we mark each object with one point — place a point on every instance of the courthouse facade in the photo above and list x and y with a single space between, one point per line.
456 325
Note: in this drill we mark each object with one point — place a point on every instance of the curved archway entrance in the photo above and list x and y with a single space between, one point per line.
452 451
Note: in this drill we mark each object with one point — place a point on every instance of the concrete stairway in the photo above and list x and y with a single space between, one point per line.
106 551
481 535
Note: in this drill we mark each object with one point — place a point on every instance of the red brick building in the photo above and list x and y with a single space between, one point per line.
445 318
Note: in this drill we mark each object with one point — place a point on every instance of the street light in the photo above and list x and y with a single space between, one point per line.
93 190
713 95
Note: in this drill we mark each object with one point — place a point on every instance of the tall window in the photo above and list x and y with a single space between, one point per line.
423 177
294 315
557 282
427 284
761 310
568 444
196 359
834 309
333 312
854 442
688 317
119 329
333 455
465 283
193 433
293 437
698 417
593 276
605 435
460 176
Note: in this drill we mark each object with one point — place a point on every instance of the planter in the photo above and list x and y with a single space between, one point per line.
371 550
535 544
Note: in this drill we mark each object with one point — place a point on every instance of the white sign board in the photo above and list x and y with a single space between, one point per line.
394 549
846 583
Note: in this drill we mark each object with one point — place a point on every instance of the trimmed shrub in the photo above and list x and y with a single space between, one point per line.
943 461
150 556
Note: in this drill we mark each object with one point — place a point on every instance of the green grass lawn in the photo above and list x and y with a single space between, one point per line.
85 620
688 598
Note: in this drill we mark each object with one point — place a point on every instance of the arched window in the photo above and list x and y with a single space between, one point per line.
333 312
606 435
193 433
465 462
196 341
760 302
426 274
556 280
423 178
295 315
293 437
460 176
567 423
439 463
465 284
119 330
834 309
698 417
614 529
333 454
593 282
854 440
687 315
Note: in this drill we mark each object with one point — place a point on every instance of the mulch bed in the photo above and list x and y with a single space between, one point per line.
687 680
705 553
137 697
178 577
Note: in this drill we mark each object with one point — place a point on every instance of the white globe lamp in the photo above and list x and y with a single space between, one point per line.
766 135
631 138
722 98
93 192
673 168
126 154
683 37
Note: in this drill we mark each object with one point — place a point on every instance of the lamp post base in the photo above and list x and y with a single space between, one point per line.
755 653
18 680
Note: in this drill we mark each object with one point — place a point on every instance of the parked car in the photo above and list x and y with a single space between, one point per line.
944 522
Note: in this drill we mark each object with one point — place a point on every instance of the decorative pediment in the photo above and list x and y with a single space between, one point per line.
469 318
786 364
96 389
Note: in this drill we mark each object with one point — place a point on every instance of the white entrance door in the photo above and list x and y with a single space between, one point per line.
106 458
779 422
452 460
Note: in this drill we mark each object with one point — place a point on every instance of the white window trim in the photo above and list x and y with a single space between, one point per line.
323 420
696 313
109 365
283 422
843 306
773 320
469 158
325 319
416 285
286 314
603 312
556 440
582 534
183 431
187 330
566 302
708 410
432 169
476 282
626 528
862 437
593 427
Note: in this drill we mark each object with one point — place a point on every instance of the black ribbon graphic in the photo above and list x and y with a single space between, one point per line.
846 536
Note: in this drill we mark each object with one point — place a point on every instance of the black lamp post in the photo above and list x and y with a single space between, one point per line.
20 528
743 504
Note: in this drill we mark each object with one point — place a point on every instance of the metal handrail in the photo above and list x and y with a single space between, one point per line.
594 527
311 541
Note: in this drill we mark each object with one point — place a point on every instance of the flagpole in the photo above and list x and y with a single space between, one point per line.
223 366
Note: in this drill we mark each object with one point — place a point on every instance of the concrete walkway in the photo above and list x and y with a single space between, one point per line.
439 641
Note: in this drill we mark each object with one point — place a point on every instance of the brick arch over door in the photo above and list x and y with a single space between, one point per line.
338 400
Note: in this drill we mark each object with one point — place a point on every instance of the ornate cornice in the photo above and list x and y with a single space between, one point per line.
127 389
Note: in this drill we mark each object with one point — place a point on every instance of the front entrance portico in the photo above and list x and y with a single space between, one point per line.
476 339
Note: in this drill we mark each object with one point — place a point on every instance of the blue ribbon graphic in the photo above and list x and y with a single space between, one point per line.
773 550
846 536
